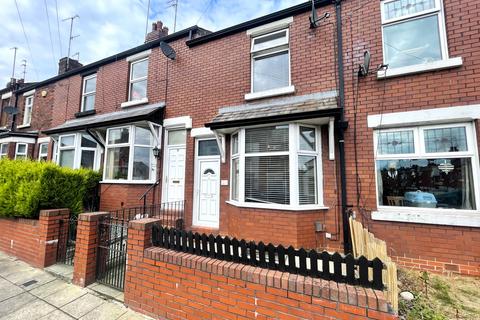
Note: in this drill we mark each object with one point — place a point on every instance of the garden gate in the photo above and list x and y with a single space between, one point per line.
67 236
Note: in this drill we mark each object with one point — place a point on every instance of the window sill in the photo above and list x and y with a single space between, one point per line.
23 126
437 65
84 113
133 103
448 217
277 206
127 182
270 93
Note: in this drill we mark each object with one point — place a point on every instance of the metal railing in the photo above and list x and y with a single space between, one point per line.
171 214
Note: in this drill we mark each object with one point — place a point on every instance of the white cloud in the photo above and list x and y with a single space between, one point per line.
105 27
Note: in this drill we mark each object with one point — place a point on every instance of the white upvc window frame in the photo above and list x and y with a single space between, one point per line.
23 154
3 154
445 62
265 52
86 94
42 154
131 80
441 216
131 153
293 152
28 106
77 147
234 156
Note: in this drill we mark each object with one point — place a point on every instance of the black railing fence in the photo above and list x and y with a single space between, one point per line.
311 263
171 214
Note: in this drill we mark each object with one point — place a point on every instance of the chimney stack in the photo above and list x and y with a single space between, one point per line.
72 64
158 31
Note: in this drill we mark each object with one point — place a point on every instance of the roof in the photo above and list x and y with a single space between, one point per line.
286 109
288 12
25 134
152 112
95 65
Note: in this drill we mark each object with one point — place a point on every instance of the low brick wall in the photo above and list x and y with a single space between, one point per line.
33 241
173 285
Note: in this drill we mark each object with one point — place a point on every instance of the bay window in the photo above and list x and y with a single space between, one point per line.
77 150
3 150
43 151
427 167
276 166
129 154
413 32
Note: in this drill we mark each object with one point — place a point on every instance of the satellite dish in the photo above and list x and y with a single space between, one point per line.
365 66
314 19
10 110
168 51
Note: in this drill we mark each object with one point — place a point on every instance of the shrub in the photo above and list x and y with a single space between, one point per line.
26 187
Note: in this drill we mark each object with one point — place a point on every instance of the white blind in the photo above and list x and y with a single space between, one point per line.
266 139
267 179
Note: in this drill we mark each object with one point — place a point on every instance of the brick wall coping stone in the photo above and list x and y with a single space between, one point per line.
92 216
54 212
373 300
143 224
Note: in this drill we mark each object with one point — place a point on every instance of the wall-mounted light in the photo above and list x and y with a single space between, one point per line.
156 152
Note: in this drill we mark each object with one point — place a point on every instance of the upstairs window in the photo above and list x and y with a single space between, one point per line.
138 80
4 115
270 61
413 32
27 114
88 93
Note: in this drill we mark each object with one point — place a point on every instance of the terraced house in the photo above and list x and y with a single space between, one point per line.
276 129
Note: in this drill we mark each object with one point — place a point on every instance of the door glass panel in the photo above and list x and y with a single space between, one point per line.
208 148
177 137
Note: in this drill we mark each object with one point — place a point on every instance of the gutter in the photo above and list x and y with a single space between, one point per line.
341 126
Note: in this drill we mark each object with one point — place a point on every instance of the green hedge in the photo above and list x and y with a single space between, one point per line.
26 187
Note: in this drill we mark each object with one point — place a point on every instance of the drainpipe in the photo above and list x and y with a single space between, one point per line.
342 125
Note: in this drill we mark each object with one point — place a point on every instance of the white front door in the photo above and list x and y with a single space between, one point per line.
207 185
175 178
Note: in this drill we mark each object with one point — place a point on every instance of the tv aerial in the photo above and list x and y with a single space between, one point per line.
168 51
314 19
365 66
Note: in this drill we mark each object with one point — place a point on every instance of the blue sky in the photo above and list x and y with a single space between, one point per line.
105 27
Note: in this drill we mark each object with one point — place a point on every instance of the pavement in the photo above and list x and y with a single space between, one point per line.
30 293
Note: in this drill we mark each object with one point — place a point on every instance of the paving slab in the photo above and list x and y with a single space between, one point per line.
61 271
49 288
64 296
8 290
106 291
16 302
31 311
82 305
110 311
57 315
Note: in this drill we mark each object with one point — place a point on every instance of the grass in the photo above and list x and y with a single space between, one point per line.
439 297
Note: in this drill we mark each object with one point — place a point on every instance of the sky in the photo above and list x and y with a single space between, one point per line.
104 27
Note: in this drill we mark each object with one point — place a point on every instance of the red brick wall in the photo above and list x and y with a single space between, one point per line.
414 244
172 285
33 241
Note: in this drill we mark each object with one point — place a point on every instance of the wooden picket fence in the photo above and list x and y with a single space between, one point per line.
365 244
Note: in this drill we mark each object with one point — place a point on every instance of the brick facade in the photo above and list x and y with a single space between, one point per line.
173 285
217 74
34 241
